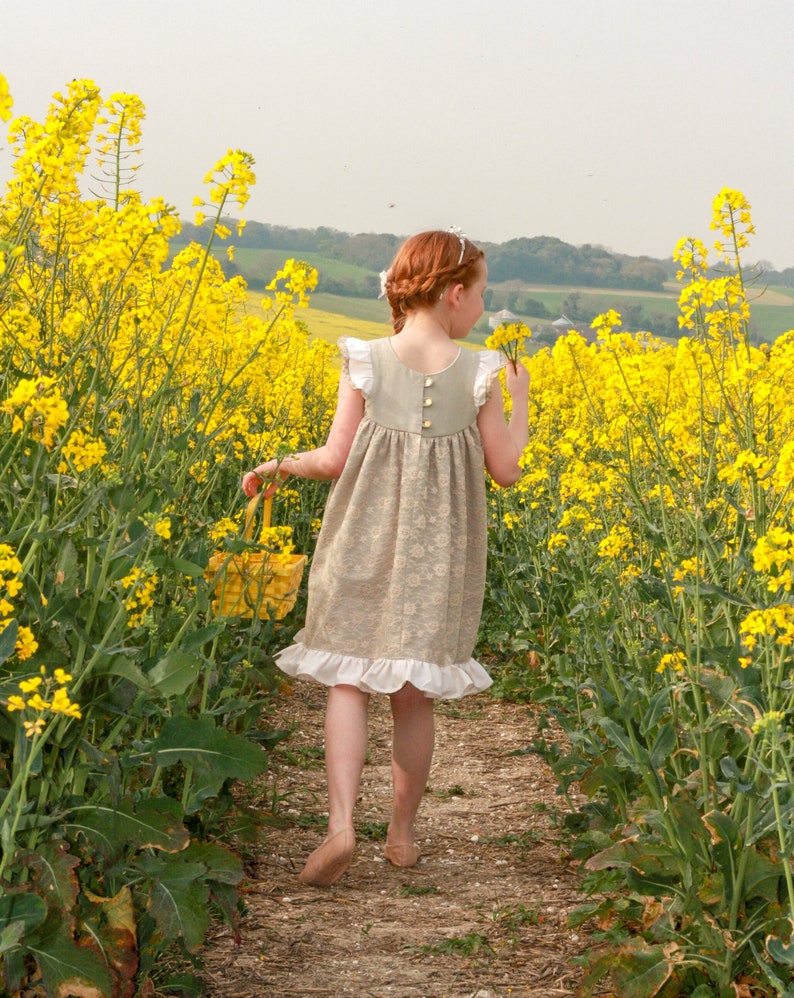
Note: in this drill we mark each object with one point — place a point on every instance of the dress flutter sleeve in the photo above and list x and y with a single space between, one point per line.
491 362
356 363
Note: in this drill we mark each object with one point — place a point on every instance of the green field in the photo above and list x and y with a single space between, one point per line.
258 266
772 307
333 323
368 309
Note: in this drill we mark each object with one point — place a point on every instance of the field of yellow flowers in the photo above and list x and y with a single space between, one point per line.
133 391
641 577
639 592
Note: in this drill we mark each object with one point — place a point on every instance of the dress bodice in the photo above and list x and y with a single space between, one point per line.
431 404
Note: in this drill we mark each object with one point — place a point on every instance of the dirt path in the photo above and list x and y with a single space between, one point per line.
483 914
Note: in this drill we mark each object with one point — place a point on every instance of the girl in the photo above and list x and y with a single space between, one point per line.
398 575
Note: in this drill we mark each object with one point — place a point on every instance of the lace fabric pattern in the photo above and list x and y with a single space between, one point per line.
398 576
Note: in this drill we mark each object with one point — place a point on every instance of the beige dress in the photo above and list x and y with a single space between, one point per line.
398 576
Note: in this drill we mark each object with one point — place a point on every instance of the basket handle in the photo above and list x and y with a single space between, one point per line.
250 513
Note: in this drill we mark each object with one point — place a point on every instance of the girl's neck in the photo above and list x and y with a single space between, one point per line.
424 343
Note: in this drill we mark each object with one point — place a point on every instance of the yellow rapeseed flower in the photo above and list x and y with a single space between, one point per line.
298 279
231 178
6 101
139 595
509 339
31 685
223 528
36 405
731 216
606 322
771 721
618 543
775 622
774 550
49 696
26 644
61 704
675 660
557 541
162 527
81 452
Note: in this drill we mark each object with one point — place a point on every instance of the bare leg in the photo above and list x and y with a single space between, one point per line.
412 753
345 752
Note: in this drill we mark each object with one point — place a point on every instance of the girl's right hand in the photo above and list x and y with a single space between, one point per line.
266 474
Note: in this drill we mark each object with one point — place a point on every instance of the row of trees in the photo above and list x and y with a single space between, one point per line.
547 260
535 260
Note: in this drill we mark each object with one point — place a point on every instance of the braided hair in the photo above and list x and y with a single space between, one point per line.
425 265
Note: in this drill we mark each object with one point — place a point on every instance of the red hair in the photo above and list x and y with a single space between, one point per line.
424 266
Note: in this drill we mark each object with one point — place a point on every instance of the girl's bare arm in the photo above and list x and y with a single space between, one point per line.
322 463
504 443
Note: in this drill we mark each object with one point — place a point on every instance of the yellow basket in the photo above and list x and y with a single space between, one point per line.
255 582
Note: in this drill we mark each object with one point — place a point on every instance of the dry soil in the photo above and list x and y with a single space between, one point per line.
485 912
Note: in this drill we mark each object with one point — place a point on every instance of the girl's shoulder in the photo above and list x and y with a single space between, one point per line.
351 346
357 362
489 363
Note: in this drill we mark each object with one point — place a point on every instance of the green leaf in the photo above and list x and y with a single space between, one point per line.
125 498
124 668
722 827
69 969
544 693
618 856
175 673
227 898
762 876
663 745
636 756
658 708
212 752
730 770
779 951
724 842
111 923
8 640
640 970
688 823
203 635
725 594
658 884
220 864
53 866
10 935
178 897
67 567
180 566
720 687
19 915
155 823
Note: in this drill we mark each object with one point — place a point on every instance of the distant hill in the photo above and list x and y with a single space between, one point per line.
532 260
538 278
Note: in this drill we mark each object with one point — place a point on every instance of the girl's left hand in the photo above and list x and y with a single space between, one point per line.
517 380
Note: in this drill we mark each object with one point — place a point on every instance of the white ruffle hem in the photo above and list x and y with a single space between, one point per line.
382 675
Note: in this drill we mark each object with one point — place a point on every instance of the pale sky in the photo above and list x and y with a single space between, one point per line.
596 121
